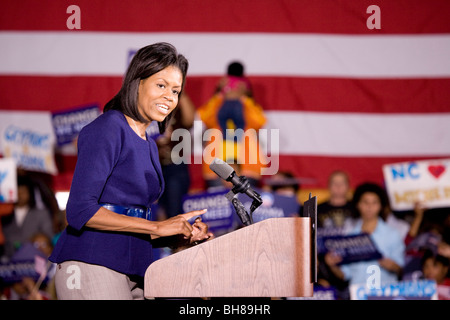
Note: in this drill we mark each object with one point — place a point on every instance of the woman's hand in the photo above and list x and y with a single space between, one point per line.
332 259
389 265
200 231
180 225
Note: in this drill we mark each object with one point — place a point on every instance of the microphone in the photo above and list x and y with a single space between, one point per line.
241 184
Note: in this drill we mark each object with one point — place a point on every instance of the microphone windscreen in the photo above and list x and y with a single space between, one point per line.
221 168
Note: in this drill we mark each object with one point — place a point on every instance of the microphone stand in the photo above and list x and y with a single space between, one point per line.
246 219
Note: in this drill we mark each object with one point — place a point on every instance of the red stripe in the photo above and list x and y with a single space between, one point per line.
333 16
273 93
55 93
353 95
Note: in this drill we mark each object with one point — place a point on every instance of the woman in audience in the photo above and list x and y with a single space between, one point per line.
370 202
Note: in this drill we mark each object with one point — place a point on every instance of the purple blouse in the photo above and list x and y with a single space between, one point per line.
114 166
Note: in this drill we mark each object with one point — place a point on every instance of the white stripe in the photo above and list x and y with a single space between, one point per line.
357 134
335 134
351 56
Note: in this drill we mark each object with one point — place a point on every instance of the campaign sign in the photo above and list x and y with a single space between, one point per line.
320 293
8 180
351 248
28 138
427 181
400 290
16 271
220 217
68 124
274 205
28 261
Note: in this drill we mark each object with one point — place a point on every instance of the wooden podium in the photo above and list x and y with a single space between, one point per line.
272 258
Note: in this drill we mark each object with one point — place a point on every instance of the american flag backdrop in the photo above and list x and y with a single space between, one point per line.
343 95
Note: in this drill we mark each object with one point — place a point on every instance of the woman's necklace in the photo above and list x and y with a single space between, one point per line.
137 130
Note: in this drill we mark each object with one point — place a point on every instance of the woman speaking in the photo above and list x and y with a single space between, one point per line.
107 246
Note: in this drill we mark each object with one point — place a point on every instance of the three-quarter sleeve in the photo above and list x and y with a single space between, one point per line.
98 151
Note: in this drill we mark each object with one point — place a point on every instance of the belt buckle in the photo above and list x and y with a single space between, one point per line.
139 213
135 212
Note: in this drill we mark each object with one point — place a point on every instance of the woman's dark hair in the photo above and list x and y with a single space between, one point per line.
28 183
146 62
373 188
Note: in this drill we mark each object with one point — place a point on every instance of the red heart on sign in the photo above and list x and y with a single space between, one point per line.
436 171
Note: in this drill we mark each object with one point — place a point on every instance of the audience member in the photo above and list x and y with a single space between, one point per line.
26 219
176 175
335 216
429 231
233 107
370 202
436 267
44 196
444 245
283 183
337 211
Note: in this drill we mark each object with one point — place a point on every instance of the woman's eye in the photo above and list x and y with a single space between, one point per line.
175 92
161 86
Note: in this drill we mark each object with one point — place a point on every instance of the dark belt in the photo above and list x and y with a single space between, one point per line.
139 212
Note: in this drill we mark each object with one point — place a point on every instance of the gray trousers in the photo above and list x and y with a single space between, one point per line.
76 280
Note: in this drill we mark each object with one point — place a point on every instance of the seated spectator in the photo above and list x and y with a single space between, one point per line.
370 202
338 211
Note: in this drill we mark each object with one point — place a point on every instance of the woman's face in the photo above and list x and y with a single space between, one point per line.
23 196
158 94
369 206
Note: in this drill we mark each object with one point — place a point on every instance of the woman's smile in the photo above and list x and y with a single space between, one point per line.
159 93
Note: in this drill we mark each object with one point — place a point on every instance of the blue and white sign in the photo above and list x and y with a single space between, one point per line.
320 293
274 206
68 124
401 290
28 138
220 217
28 261
8 180
350 248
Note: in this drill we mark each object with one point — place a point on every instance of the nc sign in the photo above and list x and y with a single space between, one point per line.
408 171
427 181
